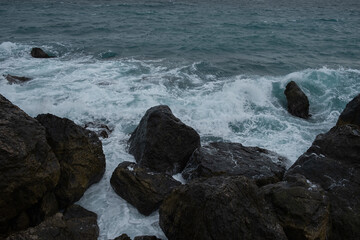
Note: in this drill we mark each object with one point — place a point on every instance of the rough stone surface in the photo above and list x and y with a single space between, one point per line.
142 189
235 159
333 162
218 208
298 103
28 167
16 79
76 223
122 237
301 206
102 130
39 53
80 154
351 113
146 238
161 142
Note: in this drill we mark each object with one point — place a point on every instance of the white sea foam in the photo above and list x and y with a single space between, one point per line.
246 109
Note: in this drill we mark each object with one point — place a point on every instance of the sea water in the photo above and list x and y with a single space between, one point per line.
221 66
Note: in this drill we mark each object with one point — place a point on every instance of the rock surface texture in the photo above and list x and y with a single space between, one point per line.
28 168
39 53
161 142
142 189
235 159
76 223
351 113
80 155
297 101
218 208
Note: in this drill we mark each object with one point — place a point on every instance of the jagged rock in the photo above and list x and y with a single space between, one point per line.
301 207
76 223
218 208
351 113
333 162
141 188
39 53
219 158
122 237
100 129
28 167
16 79
146 238
298 103
80 154
161 142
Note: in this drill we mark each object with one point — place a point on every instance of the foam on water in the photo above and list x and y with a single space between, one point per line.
248 109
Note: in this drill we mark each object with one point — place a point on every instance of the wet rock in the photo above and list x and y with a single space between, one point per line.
39 53
16 79
122 237
161 142
333 162
80 154
146 238
298 103
219 158
218 208
301 207
141 188
102 130
28 167
76 223
351 113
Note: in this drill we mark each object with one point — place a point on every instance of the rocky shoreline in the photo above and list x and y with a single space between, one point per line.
231 191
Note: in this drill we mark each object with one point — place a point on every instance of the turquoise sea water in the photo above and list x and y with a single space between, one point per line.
221 66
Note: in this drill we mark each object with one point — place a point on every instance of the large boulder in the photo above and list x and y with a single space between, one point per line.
333 162
28 168
301 207
16 79
76 223
80 154
161 142
297 101
39 53
219 158
351 113
218 208
144 190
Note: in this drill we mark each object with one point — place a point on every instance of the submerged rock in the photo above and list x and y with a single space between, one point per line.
80 154
122 237
161 142
100 129
298 103
301 207
39 53
146 238
219 158
218 208
28 167
142 189
76 223
16 79
333 162
351 113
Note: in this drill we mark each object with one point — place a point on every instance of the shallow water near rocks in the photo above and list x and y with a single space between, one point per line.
221 67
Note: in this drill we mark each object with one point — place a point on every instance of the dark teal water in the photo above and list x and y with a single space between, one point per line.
229 37
221 66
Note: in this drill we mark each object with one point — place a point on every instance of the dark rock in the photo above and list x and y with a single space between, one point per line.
235 159
301 207
39 53
298 103
76 223
15 79
100 129
142 189
80 154
161 142
28 167
146 238
122 237
333 162
218 208
351 113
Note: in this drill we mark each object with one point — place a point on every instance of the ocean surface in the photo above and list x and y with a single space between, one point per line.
221 66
